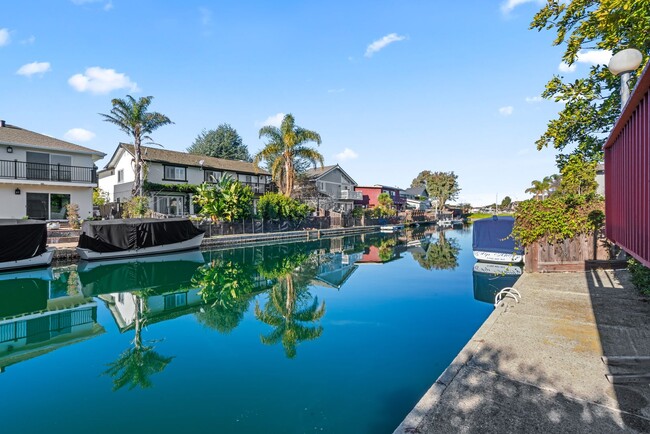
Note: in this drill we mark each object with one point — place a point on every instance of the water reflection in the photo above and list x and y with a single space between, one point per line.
489 279
439 253
42 311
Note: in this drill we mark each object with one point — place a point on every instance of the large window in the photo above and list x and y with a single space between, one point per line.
44 206
211 175
58 203
175 173
120 176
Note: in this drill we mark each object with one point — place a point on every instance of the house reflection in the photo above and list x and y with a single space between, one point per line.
43 310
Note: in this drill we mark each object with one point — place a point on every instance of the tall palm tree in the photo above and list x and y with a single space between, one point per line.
538 188
552 182
132 117
284 147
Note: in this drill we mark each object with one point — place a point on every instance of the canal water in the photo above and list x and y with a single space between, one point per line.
337 335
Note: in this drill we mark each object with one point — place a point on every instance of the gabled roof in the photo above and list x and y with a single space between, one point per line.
159 155
318 172
417 191
16 136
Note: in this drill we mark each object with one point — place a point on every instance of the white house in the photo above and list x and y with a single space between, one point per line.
168 171
40 175
329 188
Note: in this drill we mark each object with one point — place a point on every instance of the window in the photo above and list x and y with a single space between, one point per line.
172 301
58 204
211 175
175 173
120 176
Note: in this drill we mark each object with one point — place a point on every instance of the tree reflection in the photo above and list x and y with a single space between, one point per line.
135 366
441 254
290 307
225 283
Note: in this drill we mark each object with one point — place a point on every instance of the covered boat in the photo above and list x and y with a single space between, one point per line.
492 241
489 279
108 239
23 244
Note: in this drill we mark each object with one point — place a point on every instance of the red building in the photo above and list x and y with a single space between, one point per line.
627 175
371 193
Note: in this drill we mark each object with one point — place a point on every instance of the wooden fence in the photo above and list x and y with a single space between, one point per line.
574 254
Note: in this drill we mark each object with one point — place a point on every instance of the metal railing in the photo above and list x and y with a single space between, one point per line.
257 187
350 195
47 172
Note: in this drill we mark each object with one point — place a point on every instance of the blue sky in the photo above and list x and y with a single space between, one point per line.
393 87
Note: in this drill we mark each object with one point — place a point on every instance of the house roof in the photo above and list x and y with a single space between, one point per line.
382 187
317 172
417 191
16 136
184 159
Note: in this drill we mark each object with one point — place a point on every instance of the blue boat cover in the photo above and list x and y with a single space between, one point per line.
493 235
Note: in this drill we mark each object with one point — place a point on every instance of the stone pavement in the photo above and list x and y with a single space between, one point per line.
536 366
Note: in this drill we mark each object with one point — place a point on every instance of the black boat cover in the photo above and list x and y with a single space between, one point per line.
493 235
129 234
22 239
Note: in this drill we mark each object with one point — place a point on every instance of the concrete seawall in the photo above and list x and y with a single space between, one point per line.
537 366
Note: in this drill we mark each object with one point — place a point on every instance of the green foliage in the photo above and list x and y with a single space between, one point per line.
179 188
224 142
385 206
136 207
443 187
135 366
579 176
592 103
421 179
441 254
224 283
386 249
557 218
357 212
226 200
73 215
132 117
640 275
284 149
274 206
505 203
100 197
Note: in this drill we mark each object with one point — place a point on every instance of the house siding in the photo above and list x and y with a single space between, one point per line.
15 205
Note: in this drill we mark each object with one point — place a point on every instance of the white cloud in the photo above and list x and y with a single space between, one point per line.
4 37
379 44
509 5
30 69
98 80
534 99
79 135
506 111
347 154
28 41
336 90
274 120
108 6
591 57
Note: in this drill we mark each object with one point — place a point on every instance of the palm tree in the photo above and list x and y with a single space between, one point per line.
132 117
539 188
284 147
552 183
137 364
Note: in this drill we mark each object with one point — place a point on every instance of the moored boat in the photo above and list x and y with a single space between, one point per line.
492 241
24 244
121 238
391 228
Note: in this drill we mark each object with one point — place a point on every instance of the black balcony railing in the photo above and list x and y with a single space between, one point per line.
257 187
46 172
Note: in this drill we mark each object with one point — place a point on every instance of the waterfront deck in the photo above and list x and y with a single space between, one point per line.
536 366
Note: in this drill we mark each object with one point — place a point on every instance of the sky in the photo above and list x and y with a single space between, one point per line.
392 87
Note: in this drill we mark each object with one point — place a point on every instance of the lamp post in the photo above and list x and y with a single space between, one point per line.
621 64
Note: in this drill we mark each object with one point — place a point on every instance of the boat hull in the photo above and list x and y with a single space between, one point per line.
91 255
498 269
499 258
42 260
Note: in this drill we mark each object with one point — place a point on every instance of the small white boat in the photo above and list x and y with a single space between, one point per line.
24 244
502 258
391 228
124 238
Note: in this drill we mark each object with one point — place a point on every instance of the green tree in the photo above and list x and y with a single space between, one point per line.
132 117
591 103
443 187
421 179
273 206
284 147
100 197
224 142
578 176
385 206
227 199
538 188
441 254
505 203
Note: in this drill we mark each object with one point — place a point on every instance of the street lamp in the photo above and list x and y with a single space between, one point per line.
621 64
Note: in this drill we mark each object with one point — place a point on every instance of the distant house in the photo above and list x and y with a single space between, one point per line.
417 198
328 188
40 175
600 179
165 169
370 195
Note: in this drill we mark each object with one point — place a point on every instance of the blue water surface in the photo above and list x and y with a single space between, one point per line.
338 335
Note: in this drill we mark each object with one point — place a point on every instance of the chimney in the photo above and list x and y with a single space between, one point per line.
2 123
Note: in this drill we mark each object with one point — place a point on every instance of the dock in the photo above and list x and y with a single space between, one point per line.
572 356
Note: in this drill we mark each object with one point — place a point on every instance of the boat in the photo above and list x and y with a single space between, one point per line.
457 223
489 279
492 241
24 244
391 228
123 238
445 223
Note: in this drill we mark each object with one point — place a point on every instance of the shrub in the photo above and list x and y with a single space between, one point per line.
274 206
226 200
73 215
136 207
357 212
640 276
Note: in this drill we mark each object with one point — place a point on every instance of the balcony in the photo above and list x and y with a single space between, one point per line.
47 172
257 187
351 195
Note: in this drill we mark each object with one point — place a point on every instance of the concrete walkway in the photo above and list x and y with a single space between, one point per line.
536 366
